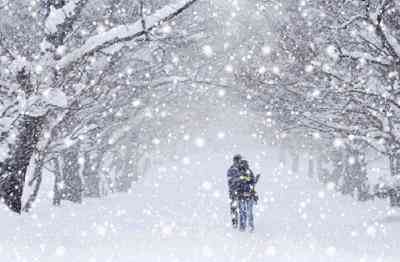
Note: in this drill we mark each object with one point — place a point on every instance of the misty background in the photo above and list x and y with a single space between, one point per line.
119 119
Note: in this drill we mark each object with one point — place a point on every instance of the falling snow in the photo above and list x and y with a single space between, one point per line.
119 121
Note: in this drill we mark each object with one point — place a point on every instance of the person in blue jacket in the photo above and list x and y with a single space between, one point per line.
247 196
241 182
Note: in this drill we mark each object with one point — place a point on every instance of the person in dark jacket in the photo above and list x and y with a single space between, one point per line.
247 196
234 184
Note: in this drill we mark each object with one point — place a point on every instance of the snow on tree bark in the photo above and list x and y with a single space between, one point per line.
13 170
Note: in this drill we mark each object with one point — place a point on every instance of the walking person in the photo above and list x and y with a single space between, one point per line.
234 183
242 194
247 196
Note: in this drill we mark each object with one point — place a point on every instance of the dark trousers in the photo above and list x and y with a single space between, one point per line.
234 211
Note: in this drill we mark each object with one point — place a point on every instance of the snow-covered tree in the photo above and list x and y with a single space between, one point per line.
51 63
333 72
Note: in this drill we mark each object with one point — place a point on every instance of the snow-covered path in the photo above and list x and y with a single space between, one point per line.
179 212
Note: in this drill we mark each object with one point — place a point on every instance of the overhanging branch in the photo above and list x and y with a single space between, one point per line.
123 33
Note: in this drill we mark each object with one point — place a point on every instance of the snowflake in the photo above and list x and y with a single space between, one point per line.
38 69
101 230
275 70
352 160
207 185
156 141
331 251
221 92
262 70
316 135
166 29
266 50
338 142
321 194
200 142
270 251
208 51
68 142
186 160
229 68
316 93
136 103
61 50
330 186
60 251
129 71
81 161
371 231
331 51
393 74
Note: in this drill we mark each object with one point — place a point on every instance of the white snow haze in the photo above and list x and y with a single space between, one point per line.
120 120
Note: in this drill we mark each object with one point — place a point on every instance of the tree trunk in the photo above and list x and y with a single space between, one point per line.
339 160
91 177
282 156
394 192
68 183
37 179
12 177
57 182
73 186
295 162
392 165
355 176
311 167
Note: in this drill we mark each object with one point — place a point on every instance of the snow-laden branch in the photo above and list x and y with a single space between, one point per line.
58 17
383 31
393 41
124 33
357 55
349 22
3 5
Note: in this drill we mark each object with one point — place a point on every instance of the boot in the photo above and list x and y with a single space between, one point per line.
234 223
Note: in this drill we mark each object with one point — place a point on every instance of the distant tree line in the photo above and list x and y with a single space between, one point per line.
331 78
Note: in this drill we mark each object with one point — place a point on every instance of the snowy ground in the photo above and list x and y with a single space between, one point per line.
180 212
